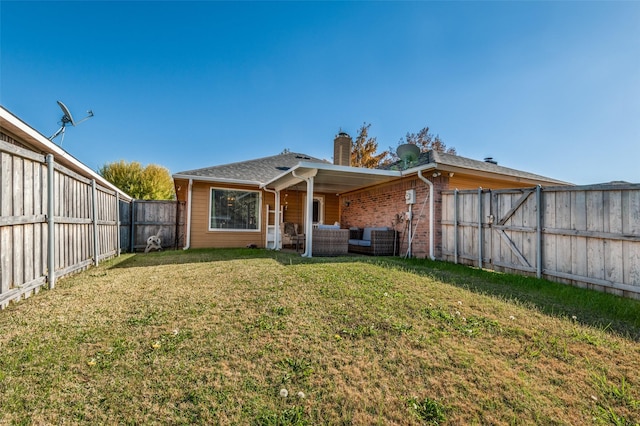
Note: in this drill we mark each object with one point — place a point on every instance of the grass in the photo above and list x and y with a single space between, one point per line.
216 336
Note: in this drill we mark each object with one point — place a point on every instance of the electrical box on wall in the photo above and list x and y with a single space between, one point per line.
410 196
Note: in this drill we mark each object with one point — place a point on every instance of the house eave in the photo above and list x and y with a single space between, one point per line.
495 174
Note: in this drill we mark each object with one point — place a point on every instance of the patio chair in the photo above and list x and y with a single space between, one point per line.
290 235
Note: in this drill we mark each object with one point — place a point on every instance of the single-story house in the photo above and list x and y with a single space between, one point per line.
247 203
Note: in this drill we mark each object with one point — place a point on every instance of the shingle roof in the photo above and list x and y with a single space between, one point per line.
260 170
444 159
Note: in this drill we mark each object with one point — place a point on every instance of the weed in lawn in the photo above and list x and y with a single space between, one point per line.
266 322
428 410
621 394
359 331
296 370
281 311
293 416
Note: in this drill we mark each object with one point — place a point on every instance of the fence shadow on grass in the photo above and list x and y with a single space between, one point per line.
605 311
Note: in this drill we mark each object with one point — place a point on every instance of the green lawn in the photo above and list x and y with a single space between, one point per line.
219 336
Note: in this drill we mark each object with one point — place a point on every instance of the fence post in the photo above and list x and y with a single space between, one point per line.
132 214
95 221
51 231
539 231
117 223
480 239
455 226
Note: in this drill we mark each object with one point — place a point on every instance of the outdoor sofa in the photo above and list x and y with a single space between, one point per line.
375 241
330 240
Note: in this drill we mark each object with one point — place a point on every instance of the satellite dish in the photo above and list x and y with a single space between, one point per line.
66 119
408 153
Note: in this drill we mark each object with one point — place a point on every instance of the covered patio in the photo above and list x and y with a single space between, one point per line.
323 178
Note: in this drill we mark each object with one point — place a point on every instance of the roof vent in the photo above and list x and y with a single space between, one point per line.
490 160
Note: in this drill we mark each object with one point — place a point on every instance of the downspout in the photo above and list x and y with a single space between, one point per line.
276 218
431 206
308 223
189 196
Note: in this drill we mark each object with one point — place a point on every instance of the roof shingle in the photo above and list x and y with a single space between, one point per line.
260 170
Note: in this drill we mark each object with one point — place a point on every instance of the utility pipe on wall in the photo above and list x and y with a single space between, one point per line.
431 224
410 224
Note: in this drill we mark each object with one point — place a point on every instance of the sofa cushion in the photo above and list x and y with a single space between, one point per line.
366 234
321 226
354 242
364 243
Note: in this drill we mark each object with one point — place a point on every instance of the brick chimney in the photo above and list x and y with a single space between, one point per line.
342 149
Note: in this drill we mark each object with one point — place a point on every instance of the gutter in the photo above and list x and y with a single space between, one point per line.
189 197
431 206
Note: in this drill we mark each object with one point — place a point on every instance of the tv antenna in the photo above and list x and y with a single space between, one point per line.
67 118
408 153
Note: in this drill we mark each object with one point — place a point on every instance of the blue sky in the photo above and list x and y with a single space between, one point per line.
548 87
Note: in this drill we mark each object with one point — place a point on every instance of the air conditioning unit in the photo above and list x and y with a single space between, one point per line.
410 196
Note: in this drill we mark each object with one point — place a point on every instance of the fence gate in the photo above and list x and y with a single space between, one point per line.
515 226
587 236
498 229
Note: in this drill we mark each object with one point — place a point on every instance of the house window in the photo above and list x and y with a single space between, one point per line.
234 210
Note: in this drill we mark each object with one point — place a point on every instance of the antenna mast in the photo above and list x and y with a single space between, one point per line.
66 119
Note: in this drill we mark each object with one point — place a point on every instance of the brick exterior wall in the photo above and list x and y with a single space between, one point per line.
385 205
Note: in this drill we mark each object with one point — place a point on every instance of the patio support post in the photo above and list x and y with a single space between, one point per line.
277 219
308 224
51 226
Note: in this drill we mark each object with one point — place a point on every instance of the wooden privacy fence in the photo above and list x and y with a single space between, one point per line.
53 222
141 219
587 236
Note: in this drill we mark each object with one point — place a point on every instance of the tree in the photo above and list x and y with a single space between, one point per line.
424 140
152 182
363 150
